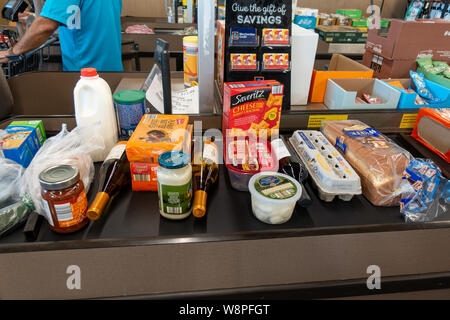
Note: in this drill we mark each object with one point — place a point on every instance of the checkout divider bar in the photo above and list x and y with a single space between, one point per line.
386 122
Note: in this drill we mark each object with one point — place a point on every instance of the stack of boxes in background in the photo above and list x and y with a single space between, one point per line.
341 34
394 54
344 26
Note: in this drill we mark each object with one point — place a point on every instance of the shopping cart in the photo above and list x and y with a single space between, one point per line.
31 61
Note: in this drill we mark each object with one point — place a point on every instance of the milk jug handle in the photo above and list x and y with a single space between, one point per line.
81 87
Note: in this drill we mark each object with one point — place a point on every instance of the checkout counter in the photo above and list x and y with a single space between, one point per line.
324 251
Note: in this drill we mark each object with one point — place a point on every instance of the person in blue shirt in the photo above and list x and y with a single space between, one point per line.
89 33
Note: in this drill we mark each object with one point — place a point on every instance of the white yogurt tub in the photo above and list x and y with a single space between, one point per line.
274 196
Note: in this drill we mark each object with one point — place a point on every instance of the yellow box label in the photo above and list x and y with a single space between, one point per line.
316 120
408 121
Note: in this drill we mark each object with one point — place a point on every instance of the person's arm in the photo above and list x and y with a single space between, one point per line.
41 29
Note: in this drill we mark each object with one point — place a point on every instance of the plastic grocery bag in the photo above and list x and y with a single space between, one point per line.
428 193
10 177
13 211
378 160
64 148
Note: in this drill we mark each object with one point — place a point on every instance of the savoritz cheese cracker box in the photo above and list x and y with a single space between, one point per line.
252 106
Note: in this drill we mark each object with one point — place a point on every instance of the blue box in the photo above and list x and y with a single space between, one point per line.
36 126
407 100
306 22
19 146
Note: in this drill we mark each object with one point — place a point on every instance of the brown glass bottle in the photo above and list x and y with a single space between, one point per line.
114 175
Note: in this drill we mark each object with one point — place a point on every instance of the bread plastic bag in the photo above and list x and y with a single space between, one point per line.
64 148
379 161
428 194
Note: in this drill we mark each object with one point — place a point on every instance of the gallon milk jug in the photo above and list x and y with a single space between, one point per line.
94 107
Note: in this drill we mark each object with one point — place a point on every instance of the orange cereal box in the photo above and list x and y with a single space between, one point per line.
252 106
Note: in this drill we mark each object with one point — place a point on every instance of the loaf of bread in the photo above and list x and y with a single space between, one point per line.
378 160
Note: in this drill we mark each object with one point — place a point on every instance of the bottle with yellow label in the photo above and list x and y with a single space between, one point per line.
205 175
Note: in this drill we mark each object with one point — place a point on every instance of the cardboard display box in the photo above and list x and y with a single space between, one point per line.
408 100
341 94
393 54
340 67
341 34
397 68
406 40
388 68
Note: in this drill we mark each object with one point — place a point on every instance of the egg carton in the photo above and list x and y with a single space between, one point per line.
331 173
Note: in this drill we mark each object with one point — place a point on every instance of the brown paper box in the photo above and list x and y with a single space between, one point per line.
407 39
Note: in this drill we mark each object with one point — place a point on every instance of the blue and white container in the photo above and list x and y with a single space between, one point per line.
130 108
306 22
408 100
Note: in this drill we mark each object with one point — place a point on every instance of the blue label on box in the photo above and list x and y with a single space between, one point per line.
35 125
361 131
19 146
129 116
308 143
243 36
33 141
306 22
340 145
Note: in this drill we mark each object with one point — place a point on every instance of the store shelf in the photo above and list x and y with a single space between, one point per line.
383 120
353 50
229 251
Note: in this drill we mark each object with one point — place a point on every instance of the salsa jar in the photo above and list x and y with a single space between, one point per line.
64 198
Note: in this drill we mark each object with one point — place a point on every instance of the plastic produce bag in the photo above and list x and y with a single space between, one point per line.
64 148
428 192
379 161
